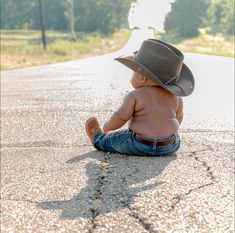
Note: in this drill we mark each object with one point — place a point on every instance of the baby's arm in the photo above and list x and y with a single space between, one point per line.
122 115
179 112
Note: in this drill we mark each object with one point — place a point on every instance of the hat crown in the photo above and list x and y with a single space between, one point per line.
162 63
161 58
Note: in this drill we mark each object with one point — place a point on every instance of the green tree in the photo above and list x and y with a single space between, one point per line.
16 14
221 17
185 17
24 14
227 21
69 14
41 12
101 15
214 16
54 15
80 15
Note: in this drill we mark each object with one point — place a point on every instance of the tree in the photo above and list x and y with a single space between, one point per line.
80 15
227 21
220 17
101 15
69 14
54 15
185 17
215 14
41 8
24 14
16 14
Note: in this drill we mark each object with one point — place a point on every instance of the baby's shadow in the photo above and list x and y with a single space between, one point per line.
113 182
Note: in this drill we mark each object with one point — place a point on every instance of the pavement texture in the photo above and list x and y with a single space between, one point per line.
53 180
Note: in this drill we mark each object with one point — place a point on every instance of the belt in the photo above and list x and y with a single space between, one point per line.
150 141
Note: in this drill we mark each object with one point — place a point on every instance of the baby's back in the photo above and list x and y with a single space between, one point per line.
155 112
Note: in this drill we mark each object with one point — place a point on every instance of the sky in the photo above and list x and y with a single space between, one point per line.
149 13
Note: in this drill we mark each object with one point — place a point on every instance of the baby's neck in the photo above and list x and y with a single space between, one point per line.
151 85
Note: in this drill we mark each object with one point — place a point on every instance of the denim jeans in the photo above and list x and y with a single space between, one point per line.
124 142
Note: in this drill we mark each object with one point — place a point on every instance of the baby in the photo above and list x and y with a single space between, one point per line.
154 108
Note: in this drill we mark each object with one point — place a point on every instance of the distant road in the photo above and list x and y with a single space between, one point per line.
136 39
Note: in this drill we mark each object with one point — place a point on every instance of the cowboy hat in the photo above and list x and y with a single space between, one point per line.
163 63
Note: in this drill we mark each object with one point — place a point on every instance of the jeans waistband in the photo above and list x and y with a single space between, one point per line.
153 138
155 141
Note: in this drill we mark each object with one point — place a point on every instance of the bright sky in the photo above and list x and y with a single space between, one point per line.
149 13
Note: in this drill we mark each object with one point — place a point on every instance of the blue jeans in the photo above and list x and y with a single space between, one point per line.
124 142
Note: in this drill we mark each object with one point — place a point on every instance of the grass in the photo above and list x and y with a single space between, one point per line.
205 44
22 48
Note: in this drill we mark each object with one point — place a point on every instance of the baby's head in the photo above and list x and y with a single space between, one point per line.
138 80
161 62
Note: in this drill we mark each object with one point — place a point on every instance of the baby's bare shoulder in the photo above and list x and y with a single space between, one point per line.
136 94
152 91
140 91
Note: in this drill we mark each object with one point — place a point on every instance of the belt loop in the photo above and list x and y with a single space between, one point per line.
154 143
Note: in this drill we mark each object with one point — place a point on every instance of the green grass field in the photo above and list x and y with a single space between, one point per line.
205 44
22 48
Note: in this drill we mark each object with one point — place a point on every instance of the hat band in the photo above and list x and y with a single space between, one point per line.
171 79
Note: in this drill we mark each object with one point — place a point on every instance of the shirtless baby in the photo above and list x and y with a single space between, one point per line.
154 108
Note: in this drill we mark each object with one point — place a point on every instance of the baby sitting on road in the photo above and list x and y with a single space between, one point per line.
154 109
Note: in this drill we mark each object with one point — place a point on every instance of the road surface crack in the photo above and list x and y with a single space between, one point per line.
125 199
134 211
210 174
142 221
97 196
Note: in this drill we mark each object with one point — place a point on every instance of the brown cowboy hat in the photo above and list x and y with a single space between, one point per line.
162 63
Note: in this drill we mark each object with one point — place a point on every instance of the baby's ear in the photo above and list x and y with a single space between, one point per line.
143 79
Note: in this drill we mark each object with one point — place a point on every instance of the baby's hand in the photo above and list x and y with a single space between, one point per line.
105 128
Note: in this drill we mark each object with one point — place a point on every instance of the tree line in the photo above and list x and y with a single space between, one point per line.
187 16
80 15
106 16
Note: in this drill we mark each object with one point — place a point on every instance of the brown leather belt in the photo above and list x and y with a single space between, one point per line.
141 139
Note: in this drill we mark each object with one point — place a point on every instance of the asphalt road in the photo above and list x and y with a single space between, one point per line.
52 179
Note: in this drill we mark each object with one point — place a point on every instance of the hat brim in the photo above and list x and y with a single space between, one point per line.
184 85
